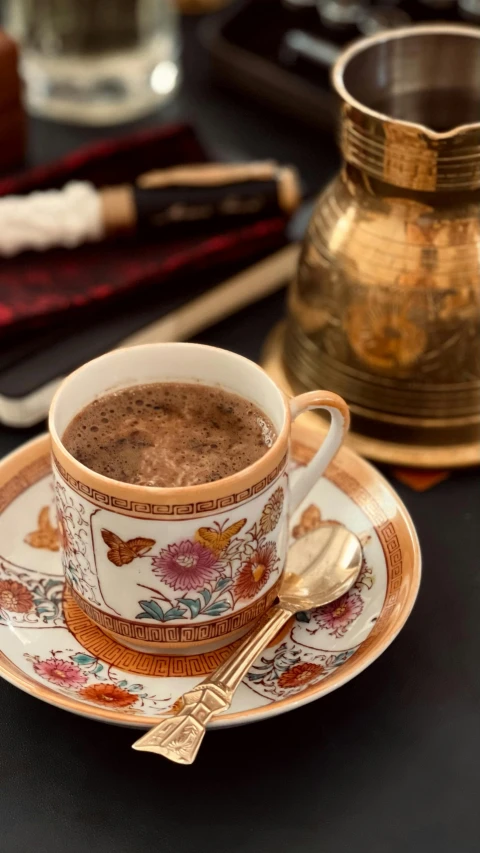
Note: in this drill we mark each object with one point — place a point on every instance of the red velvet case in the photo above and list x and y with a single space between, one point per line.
37 289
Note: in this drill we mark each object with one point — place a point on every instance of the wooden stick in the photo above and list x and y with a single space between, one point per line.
247 287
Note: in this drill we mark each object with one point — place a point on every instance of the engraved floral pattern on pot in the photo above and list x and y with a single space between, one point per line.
87 677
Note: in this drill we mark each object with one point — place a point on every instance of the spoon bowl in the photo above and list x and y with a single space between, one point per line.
321 566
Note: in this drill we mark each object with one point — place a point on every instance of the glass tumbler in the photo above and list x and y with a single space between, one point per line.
96 61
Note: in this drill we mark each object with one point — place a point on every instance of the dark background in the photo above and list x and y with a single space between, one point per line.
388 764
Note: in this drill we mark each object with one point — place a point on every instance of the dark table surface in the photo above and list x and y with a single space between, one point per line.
388 764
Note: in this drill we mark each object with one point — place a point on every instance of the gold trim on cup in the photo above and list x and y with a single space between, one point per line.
176 636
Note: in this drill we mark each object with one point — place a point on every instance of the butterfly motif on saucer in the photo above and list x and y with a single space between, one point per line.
45 536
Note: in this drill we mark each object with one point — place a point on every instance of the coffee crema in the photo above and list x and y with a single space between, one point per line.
169 434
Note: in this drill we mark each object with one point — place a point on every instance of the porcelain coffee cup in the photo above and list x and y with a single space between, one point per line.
183 569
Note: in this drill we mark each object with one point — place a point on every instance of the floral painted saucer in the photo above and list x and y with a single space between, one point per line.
50 649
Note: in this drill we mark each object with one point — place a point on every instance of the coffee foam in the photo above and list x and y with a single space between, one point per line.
169 434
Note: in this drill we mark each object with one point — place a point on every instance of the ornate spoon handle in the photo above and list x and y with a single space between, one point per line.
179 736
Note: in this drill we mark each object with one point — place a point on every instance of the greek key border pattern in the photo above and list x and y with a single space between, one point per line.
385 530
172 634
142 508
383 526
156 665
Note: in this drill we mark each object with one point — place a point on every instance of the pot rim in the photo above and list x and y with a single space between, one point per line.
412 30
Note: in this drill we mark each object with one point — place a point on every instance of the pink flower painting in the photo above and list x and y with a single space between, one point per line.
337 616
60 672
186 565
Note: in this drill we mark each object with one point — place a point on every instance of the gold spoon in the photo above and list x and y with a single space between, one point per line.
321 566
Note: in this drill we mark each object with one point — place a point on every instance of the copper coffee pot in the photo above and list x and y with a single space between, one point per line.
385 307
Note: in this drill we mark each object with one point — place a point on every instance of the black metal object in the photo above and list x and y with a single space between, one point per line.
159 207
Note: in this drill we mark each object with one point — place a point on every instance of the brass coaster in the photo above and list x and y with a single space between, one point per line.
453 456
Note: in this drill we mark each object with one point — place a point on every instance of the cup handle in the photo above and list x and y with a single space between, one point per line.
339 423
